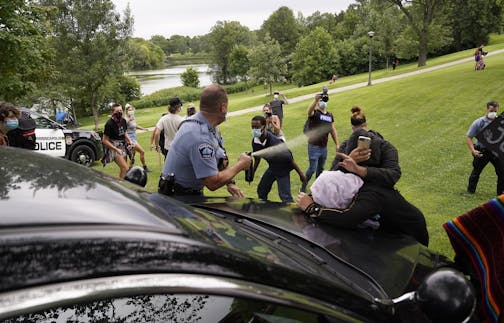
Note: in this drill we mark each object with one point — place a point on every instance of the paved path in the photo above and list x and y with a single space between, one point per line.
363 84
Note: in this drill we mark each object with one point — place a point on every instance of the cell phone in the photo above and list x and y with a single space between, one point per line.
364 142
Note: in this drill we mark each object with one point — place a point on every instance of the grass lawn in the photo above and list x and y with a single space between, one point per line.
425 116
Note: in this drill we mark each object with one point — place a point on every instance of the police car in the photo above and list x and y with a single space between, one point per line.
79 145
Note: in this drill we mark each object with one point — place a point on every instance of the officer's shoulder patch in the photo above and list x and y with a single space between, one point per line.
206 151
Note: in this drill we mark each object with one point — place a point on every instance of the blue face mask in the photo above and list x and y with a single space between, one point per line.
11 124
322 105
256 133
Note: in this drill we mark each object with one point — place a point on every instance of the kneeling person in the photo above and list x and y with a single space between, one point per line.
279 158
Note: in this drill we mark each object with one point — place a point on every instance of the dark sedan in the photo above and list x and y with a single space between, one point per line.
78 246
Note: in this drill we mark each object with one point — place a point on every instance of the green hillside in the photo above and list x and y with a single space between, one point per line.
425 116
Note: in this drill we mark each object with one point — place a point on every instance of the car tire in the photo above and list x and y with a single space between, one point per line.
83 155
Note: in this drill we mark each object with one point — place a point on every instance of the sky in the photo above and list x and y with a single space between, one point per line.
197 17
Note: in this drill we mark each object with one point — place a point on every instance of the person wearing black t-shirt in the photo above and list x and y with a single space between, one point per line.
116 141
321 124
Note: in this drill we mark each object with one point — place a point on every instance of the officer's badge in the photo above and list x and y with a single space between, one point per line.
206 151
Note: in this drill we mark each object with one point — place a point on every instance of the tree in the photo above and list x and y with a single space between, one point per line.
472 21
24 58
420 15
239 63
282 27
223 37
314 58
267 64
190 77
144 54
91 43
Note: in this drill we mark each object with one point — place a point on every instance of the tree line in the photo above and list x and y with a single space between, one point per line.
76 51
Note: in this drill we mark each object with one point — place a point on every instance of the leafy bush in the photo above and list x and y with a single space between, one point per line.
190 77
236 88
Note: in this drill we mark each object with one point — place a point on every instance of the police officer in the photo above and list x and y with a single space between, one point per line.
196 157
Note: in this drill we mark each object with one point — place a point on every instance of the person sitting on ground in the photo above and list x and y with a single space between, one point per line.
132 127
18 128
272 122
279 158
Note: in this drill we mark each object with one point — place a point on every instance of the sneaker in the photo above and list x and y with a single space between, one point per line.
147 169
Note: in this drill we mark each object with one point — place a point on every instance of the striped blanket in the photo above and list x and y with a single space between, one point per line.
478 236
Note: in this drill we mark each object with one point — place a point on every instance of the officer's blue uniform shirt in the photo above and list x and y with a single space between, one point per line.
194 153
476 128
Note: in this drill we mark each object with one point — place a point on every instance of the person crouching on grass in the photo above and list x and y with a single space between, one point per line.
279 158
116 141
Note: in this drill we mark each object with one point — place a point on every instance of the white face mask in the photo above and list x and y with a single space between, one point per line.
491 115
275 96
322 105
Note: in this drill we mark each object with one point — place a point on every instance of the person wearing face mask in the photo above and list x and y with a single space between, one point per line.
116 141
321 124
196 158
16 130
280 161
131 131
481 155
167 126
272 122
277 104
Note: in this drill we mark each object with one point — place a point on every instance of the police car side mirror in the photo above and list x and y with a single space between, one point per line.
444 296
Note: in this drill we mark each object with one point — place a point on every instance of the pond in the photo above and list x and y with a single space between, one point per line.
154 80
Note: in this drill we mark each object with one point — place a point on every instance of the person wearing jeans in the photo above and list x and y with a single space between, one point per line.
321 124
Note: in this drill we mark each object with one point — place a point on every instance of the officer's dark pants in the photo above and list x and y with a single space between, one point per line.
479 164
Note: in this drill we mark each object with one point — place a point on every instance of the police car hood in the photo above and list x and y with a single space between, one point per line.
393 260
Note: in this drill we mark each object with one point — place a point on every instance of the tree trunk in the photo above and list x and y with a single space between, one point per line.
422 49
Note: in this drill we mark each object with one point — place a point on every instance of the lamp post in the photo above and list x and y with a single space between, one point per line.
370 34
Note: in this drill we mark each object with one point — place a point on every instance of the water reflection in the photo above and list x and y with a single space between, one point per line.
155 80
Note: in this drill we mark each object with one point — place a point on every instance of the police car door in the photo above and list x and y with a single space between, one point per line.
50 137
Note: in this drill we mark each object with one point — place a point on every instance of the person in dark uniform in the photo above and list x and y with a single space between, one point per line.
196 158
19 129
116 141
481 155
